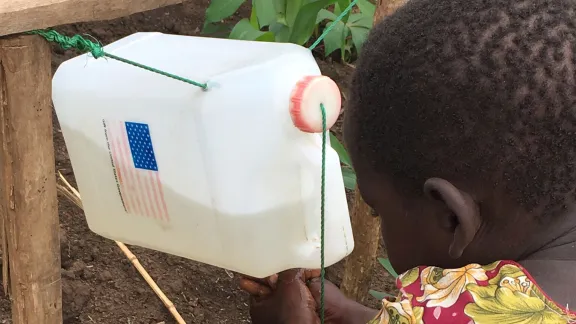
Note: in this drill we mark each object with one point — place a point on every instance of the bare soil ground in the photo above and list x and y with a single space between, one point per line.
99 284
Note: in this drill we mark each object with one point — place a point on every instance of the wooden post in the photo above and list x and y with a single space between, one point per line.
17 16
360 263
385 8
28 203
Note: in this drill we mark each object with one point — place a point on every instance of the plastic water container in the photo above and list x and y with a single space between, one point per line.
222 176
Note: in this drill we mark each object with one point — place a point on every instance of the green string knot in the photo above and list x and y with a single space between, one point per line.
78 42
82 44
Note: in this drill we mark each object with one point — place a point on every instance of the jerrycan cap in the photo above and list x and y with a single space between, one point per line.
308 94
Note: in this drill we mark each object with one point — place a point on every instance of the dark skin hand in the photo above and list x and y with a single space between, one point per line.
282 298
338 308
298 298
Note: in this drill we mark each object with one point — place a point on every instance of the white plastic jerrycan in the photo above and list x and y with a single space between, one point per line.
229 176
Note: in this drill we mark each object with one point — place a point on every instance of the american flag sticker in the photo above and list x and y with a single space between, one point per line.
135 168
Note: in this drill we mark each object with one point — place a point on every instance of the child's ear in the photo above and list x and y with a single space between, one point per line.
465 212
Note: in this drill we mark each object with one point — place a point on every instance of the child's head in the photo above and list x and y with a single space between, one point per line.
461 125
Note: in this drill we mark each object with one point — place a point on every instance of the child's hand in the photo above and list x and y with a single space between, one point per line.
283 298
338 308
334 301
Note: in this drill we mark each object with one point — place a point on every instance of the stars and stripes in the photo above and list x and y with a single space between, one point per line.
136 169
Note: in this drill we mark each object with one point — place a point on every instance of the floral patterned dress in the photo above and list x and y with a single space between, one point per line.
502 293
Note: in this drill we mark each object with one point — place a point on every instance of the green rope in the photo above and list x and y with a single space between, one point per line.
329 28
322 220
326 31
84 45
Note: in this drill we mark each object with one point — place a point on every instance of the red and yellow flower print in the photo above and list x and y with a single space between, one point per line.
502 292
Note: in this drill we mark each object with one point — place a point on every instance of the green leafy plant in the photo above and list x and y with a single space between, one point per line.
295 21
350 32
386 264
347 170
378 294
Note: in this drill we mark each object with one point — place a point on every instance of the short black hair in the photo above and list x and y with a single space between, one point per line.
471 89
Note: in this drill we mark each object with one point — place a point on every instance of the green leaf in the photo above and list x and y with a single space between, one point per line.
265 11
293 7
337 10
378 294
266 37
279 7
341 150
276 27
325 15
281 31
254 18
245 31
386 264
342 5
336 38
349 178
360 20
366 7
359 36
221 9
209 28
303 26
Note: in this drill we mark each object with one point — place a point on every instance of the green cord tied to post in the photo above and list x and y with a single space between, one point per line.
76 41
84 45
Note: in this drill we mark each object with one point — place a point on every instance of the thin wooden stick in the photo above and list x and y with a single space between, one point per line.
151 282
73 195
5 268
4 253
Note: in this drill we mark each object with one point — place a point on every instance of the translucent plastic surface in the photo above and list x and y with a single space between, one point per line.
219 176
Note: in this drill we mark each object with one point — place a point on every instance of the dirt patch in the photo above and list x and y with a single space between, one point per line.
99 284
